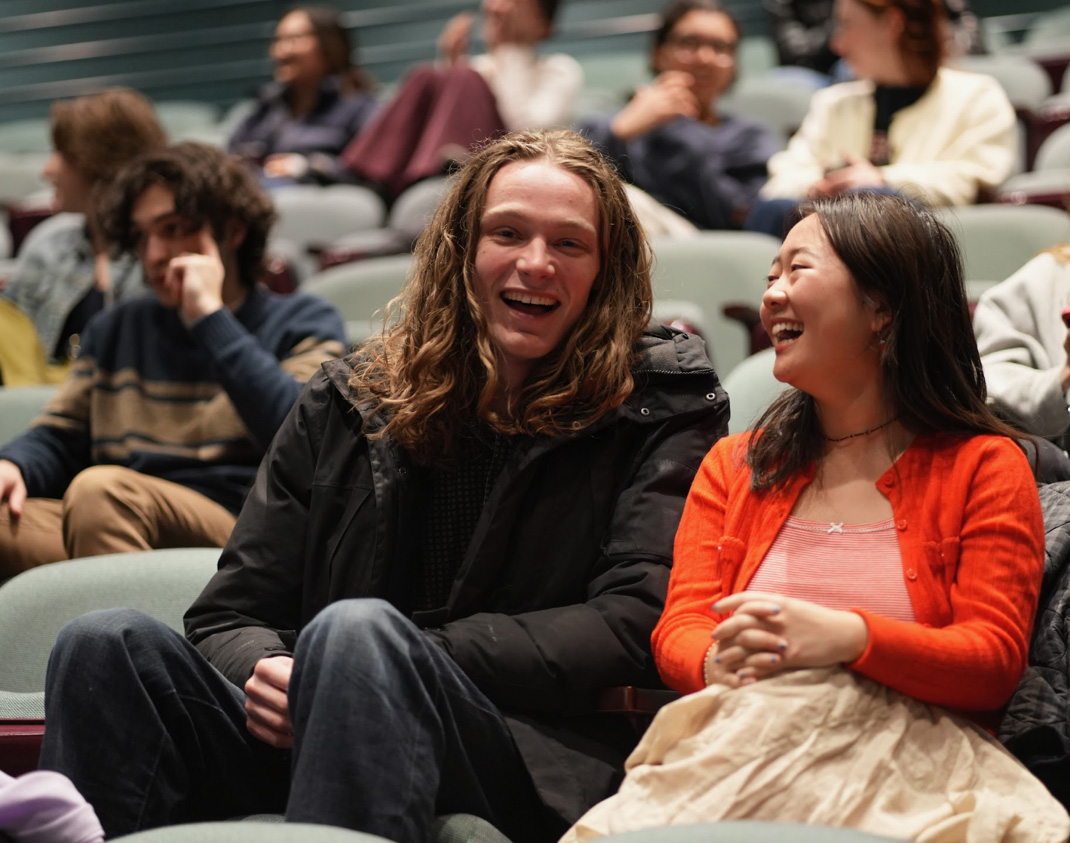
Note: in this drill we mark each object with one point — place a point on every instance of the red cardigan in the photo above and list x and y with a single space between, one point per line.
972 541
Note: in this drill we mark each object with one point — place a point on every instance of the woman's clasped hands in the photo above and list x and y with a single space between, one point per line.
767 633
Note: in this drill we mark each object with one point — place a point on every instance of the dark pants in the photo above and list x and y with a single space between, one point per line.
769 216
438 116
388 731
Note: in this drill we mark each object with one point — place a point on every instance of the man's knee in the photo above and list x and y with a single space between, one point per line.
31 539
106 510
96 635
111 642
96 484
360 625
360 617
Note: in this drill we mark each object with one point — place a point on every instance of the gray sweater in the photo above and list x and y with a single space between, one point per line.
1020 336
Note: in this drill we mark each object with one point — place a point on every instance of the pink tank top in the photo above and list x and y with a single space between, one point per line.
840 566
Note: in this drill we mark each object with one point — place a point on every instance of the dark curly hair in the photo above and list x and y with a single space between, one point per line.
209 187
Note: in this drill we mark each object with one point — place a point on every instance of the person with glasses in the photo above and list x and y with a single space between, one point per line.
316 105
672 141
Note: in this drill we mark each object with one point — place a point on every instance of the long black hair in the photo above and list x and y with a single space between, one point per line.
900 256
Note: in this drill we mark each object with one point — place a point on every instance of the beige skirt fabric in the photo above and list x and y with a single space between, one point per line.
827 747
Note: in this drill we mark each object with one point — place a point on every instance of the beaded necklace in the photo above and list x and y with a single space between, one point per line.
865 432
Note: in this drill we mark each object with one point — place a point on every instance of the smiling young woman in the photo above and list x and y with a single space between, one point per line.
863 563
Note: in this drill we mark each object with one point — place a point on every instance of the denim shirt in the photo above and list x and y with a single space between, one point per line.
55 271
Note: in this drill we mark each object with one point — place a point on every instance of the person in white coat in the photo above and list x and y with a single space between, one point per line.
907 124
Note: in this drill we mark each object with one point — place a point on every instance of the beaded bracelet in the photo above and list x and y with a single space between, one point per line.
706 665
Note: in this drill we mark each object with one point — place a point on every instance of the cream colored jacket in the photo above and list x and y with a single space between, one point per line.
959 136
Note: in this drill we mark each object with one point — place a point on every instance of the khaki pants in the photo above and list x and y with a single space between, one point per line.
109 509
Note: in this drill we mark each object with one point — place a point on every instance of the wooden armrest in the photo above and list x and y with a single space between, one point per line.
746 313
376 243
20 745
751 319
627 699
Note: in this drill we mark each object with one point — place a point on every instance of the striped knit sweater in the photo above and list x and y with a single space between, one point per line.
197 406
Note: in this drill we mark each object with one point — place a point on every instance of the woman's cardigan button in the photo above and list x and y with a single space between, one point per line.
911 574
901 524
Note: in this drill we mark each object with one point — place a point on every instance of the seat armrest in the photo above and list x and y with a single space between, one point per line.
628 699
20 744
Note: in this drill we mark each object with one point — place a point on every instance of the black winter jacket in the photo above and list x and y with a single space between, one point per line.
563 581
1036 725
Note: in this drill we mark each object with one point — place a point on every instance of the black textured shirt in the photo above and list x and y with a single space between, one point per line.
455 500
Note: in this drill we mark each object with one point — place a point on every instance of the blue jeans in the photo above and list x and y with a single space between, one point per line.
148 731
768 216
388 731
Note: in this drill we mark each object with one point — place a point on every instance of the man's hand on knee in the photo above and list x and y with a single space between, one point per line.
266 704
12 487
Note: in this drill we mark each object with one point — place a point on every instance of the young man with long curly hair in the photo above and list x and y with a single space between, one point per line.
460 536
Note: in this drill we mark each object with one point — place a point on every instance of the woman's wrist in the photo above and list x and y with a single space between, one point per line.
855 637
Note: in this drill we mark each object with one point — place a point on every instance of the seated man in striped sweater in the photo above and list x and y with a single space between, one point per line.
154 438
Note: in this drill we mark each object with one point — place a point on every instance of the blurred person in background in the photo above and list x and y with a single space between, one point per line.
316 105
908 124
802 31
672 141
1024 340
441 112
66 276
